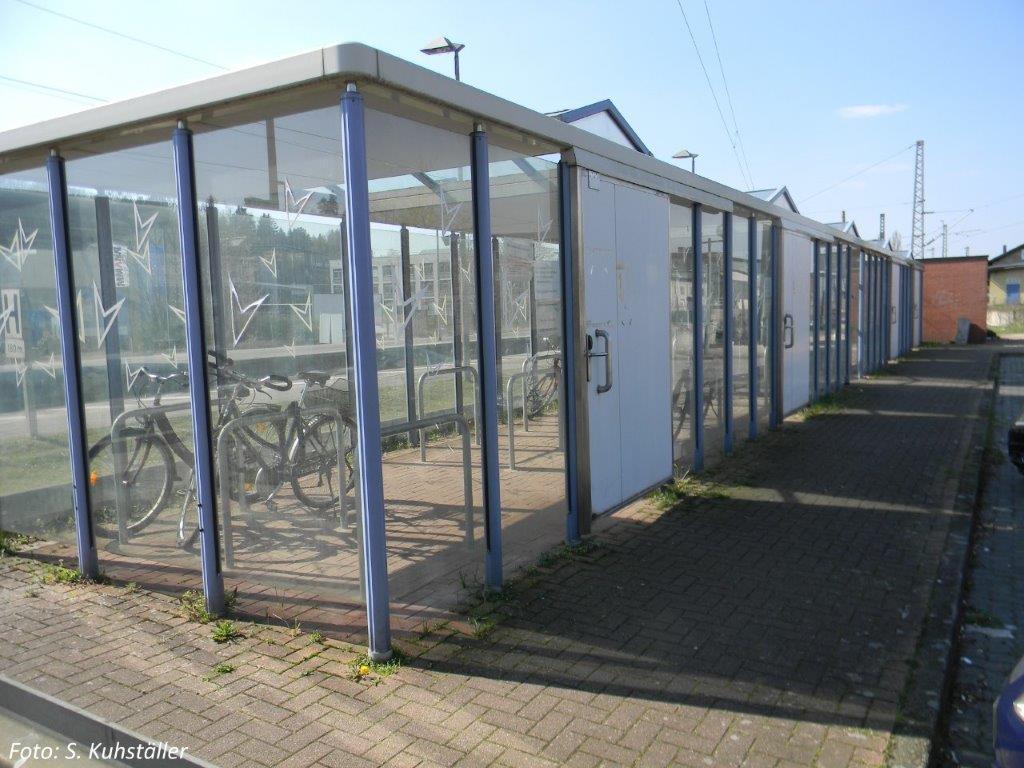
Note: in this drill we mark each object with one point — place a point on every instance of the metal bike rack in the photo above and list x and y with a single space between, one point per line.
121 498
524 376
224 473
467 456
454 370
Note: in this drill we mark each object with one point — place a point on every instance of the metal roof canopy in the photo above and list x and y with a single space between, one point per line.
157 113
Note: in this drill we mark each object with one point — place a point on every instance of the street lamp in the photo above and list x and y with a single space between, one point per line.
444 45
685 154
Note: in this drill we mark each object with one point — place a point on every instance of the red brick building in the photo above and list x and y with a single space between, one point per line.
955 287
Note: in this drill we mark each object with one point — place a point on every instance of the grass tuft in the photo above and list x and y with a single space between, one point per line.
58 574
687 487
11 542
193 606
225 631
983 619
221 669
364 668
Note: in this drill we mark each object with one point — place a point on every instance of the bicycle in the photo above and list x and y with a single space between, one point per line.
149 469
304 453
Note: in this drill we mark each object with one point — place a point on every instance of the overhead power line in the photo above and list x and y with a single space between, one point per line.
728 95
122 35
51 88
711 87
858 173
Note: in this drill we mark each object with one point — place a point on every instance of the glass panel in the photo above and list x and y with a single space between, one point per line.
681 325
713 286
420 180
740 328
765 297
528 318
35 474
122 211
271 193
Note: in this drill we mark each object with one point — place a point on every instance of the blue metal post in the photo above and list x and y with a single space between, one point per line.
480 173
729 322
752 323
88 563
775 411
828 317
364 364
572 523
698 342
198 379
837 379
849 319
816 319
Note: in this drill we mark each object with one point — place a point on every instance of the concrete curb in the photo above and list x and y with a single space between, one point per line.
925 699
78 725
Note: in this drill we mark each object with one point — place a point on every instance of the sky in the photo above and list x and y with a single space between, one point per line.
814 91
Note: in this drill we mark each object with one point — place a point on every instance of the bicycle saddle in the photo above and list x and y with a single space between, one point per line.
315 377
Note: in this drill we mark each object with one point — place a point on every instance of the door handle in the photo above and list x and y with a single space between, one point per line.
788 333
607 355
602 388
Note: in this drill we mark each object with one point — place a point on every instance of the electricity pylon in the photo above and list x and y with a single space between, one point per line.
917 226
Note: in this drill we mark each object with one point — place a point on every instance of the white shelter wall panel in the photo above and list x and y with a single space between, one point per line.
797 263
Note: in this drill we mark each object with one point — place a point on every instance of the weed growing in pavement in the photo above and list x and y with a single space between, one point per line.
565 552
482 625
827 405
193 605
11 542
364 668
317 638
981 618
58 574
686 487
225 631
131 587
221 669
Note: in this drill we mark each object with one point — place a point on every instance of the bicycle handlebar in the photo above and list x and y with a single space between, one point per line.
276 381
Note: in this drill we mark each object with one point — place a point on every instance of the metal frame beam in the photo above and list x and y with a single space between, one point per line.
752 328
480 174
774 353
727 367
198 372
64 273
572 523
698 341
817 316
364 363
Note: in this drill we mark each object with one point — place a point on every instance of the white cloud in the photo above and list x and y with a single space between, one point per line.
870 110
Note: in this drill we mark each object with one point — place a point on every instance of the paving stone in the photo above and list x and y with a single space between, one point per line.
770 627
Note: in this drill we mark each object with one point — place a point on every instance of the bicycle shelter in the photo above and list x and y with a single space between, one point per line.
340 330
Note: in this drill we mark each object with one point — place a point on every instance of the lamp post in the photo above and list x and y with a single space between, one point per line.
444 45
685 154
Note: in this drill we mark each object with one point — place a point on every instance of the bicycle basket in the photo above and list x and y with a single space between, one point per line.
334 395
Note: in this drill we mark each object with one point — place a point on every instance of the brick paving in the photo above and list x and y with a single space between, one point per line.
991 640
774 624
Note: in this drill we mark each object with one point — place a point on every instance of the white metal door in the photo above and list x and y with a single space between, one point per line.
625 266
797 263
643 360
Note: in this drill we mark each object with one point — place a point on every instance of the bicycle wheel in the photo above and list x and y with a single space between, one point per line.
188 518
262 446
315 464
146 479
542 392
